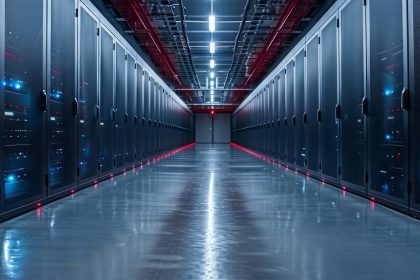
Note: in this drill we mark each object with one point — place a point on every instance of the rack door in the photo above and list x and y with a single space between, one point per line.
352 85
62 122
120 108
25 104
329 101
387 62
312 106
88 97
106 123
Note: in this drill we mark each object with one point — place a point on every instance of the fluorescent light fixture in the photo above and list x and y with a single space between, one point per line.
212 63
212 23
212 75
212 92
211 83
212 47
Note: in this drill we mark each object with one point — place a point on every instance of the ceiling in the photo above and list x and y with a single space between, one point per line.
249 35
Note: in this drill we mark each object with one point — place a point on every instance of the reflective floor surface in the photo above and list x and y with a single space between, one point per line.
211 212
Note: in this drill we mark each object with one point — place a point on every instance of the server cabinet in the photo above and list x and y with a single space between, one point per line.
158 118
312 106
300 115
276 123
2 87
24 98
388 120
121 118
267 118
352 91
61 88
264 114
88 97
152 116
146 111
329 101
260 116
106 99
282 117
139 108
130 117
414 25
272 119
290 121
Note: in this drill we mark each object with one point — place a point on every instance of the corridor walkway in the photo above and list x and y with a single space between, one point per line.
211 212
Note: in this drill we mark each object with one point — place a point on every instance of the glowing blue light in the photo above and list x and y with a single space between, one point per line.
11 178
18 86
389 92
388 136
4 83
385 187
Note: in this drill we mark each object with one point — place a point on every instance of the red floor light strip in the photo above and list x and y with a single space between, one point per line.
111 176
308 175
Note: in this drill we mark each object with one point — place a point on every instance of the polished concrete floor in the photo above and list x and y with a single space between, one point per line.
211 212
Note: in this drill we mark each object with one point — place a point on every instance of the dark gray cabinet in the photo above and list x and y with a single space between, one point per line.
62 97
312 108
88 97
352 95
329 101
107 112
290 121
25 104
121 117
131 116
388 119
299 110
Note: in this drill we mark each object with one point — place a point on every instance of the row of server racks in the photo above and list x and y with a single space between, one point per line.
341 105
80 104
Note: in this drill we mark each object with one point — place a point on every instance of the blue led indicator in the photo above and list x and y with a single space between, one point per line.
388 136
11 178
389 92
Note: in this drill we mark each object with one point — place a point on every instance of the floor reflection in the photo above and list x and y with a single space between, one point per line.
211 212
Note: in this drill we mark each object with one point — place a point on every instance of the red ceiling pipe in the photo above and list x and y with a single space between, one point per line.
138 20
289 21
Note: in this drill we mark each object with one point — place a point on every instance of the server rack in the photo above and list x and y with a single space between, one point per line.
414 70
388 97
24 115
353 95
121 117
130 116
356 127
330 112
106 102
299 110
61 96
2 87
312 107
58 87
282 116
139 111
290 121
88 114
146 120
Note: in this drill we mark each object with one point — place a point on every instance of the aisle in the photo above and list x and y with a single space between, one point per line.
211 212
